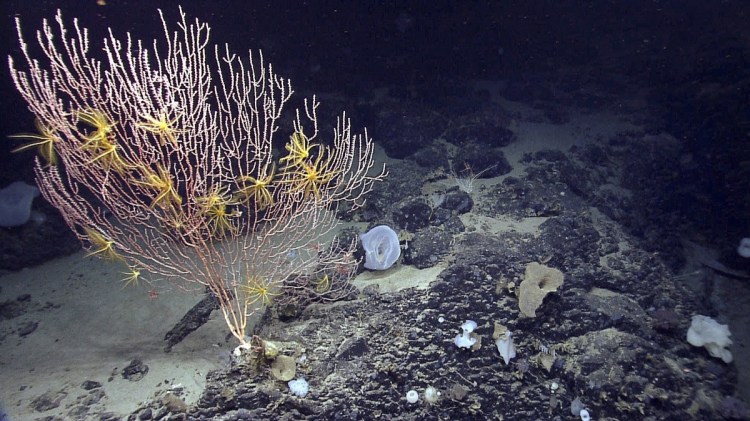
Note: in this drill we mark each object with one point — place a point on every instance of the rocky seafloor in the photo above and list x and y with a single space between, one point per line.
611 339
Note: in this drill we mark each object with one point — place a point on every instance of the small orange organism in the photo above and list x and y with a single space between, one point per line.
257 288
160 126
160 181
45 140
257 188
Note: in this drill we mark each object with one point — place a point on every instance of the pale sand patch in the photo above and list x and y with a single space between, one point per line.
94 330
503 224
399 277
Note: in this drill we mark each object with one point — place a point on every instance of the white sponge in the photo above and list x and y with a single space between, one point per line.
506 347
299 387
744 248
15 203
466 340
381 247
707 332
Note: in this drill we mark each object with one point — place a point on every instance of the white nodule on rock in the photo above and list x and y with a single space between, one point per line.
431 395
299 387
412 396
